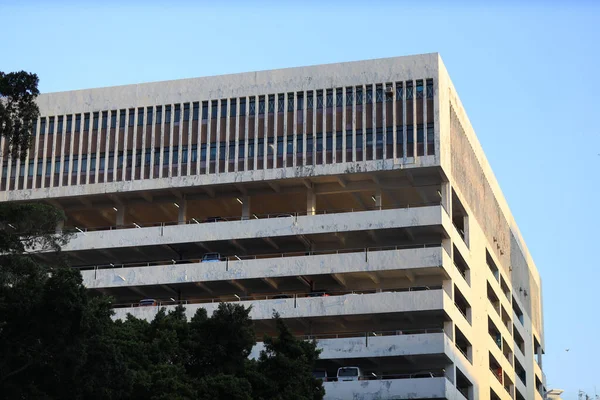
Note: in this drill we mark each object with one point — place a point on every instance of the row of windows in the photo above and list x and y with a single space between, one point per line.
260 143
266 104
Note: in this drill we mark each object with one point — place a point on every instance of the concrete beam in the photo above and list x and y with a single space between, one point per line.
276 188
271 282
339 279
271 242
238 245
238 286
341 181
204 287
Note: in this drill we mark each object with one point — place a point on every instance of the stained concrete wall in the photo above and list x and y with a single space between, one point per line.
352 304
427 388
343 222
386 260
378 346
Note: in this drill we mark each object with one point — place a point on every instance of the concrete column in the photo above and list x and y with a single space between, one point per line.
246 208
121 215
378 199
449 329
311 202
450 372
446 197
182 217
59 226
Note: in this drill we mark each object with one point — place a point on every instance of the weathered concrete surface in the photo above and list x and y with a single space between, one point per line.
352 304
302 225
379 346
268 268
422 388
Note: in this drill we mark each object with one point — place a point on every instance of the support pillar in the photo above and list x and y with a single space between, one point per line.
311 202
377 198
59 226
182 215
246 208
121 216
446 197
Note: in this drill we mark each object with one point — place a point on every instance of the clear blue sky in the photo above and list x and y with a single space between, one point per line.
526 75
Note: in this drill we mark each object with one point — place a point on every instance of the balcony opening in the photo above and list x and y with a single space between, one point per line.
462 304
461 265
539 386
517 310
462 343
493 299
520 372
464 385
518 395
506 320
496 368
492 265
507 351
537 349
509 386
495 333
519 340
493 395
460 218
505 288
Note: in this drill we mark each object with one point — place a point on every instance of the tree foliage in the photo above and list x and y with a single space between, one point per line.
56 342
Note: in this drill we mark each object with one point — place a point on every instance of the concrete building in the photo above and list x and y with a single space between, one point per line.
354 199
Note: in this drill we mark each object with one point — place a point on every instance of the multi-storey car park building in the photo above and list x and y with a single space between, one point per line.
354 199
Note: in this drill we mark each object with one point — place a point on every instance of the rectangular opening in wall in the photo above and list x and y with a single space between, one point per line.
494 333
537 350
463 384
517 310
461 265
459 217
462 304
519 342
506 319
493 395
462 343
505 288
495 368
492 265
518 395
520 372
538 385
508 385
493 299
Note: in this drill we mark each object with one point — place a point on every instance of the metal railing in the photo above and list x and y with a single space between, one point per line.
276 296
209 220
233 258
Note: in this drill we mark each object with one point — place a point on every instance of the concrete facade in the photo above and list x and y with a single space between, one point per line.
354 199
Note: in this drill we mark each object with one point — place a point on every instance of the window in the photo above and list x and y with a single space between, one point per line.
86 122
409 90
300 101
349 97
517 311
104 119
60 124
149 115
122 117
271 103
69 123
309 101
159 115
261 105
95 121
243 106
420 133
280 103
213 109
167 114
359 95
140 121
51 126
430 88
419 89
290 104
177 113
369 90
113 119
196 111
223 108
252 106
48 167
410 138
379 94
232 107
186 112
430 132
329 98
399 91
43 126
194 153
204 110
319 99
131 116
339 97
